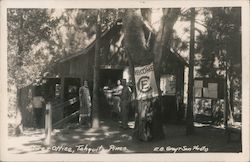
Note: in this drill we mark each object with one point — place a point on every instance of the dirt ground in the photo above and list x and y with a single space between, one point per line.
110 138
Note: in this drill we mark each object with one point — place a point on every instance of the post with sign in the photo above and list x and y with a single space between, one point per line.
147 93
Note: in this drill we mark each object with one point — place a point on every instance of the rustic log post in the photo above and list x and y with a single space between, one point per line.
48 124
95 109
190 124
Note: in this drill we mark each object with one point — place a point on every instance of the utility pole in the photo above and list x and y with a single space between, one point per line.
95 112
190 124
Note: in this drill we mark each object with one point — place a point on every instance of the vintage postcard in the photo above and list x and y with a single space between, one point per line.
128 80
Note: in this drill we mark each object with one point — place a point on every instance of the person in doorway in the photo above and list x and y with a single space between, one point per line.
85 105
38 103
117 91
125 100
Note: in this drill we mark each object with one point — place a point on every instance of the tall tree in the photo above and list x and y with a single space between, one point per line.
27 46
139 53
220 47
95 115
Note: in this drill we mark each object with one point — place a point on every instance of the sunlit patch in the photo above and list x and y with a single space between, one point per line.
75 137
105 127
106 134
131 124
92 134
62 138
201 125
117 141
92 139
91 130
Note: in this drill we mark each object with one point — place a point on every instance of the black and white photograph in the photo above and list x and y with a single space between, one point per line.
122 81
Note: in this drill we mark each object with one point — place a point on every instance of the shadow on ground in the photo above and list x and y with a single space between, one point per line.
110 138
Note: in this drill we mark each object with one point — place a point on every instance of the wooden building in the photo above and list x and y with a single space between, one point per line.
67 74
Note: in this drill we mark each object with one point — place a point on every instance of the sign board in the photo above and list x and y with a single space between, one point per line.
198 83
145 82
209 88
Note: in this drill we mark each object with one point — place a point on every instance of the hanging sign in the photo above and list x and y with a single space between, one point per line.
145 82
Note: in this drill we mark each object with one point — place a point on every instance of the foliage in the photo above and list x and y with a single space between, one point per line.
222 40
25 32
37 38
220 49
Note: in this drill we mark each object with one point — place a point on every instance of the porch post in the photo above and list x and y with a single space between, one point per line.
48 124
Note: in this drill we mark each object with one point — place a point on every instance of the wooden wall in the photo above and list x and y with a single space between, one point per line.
78 67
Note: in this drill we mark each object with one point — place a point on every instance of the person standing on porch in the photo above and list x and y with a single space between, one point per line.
125 100
85 105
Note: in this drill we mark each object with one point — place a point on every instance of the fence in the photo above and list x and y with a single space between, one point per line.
49 125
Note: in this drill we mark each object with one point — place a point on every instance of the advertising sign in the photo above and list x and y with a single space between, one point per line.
145 82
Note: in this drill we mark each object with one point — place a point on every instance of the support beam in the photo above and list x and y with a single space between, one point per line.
95 112
48 124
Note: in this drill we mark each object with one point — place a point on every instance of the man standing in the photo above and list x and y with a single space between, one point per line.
85 105
125 99
38 102
117 98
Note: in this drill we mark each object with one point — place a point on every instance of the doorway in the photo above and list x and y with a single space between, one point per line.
108 79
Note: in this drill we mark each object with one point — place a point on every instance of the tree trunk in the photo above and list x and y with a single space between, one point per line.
95 111
18 81
163 40
164 36
18 124
231 95
139 55
226 96
190 125
135 45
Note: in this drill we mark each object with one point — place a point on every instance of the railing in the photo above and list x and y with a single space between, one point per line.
48 117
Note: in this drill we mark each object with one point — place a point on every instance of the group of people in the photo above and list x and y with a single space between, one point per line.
120 96
121 99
